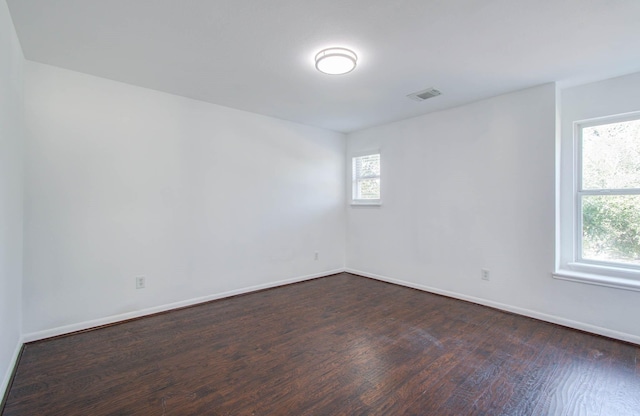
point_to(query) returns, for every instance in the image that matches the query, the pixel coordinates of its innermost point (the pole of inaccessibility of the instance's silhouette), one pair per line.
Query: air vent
(424, 94)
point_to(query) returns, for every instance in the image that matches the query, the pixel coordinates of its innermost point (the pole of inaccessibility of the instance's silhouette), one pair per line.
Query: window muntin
(366, 179)
(608, 192)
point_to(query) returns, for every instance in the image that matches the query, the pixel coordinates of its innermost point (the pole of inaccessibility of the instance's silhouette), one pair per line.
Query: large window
(366, 179)
(604, 247)
(608, 195)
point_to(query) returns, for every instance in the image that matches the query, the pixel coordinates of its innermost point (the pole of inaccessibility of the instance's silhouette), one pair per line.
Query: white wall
(474, 187)
(11, 179)
(203, 200)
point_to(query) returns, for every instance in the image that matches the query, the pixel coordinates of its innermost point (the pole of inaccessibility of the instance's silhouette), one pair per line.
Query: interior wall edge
(114, 319)
(558, 320)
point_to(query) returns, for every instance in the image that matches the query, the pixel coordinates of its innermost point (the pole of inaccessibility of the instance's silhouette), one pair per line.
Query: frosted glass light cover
(336, 61)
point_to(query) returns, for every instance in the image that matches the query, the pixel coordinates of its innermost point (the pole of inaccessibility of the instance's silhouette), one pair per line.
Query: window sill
(375, 203)
(625, 283)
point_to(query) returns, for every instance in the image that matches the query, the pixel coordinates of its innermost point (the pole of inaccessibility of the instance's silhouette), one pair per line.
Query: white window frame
(354, 179)
(569, 264)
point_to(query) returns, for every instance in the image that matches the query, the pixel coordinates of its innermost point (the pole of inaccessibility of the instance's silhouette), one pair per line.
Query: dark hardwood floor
(340, 345)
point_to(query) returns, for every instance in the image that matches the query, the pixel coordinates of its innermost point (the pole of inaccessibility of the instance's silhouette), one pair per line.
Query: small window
(366, 179)
(608, 192)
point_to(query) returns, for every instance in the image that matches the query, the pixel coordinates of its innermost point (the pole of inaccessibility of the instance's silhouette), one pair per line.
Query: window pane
(611, 228)
(368, 166)
(368, 189)
(611, 156)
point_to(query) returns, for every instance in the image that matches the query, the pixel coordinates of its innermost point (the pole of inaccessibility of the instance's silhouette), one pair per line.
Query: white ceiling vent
(424, 94)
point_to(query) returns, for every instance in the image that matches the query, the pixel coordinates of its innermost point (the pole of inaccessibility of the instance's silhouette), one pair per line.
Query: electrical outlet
(140, 282)
(316, 256)
(485, 274)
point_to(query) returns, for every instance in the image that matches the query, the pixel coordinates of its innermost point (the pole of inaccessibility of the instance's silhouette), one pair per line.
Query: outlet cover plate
(141, 282)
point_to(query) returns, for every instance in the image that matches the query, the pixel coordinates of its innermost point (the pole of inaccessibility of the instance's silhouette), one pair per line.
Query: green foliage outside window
(611, 161)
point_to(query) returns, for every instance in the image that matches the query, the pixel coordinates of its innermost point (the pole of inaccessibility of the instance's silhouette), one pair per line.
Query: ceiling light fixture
(336, 61)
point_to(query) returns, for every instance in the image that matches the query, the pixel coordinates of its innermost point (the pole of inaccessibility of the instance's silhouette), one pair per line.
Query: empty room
(243, 207)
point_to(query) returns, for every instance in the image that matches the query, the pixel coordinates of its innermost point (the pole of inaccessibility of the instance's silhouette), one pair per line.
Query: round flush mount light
(336, 61)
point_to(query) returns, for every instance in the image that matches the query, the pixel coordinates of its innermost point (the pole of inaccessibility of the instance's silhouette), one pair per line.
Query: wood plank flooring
(340, 345)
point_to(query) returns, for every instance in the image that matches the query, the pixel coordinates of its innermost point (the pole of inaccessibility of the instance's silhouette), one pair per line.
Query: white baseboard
(12, 365)
(509, 308)
(67, 329)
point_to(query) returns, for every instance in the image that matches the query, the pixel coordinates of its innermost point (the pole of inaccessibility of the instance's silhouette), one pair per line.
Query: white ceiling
(257, 55)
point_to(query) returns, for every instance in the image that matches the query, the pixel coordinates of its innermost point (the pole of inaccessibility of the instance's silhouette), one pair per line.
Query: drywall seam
(67, 329)
(623, 336)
